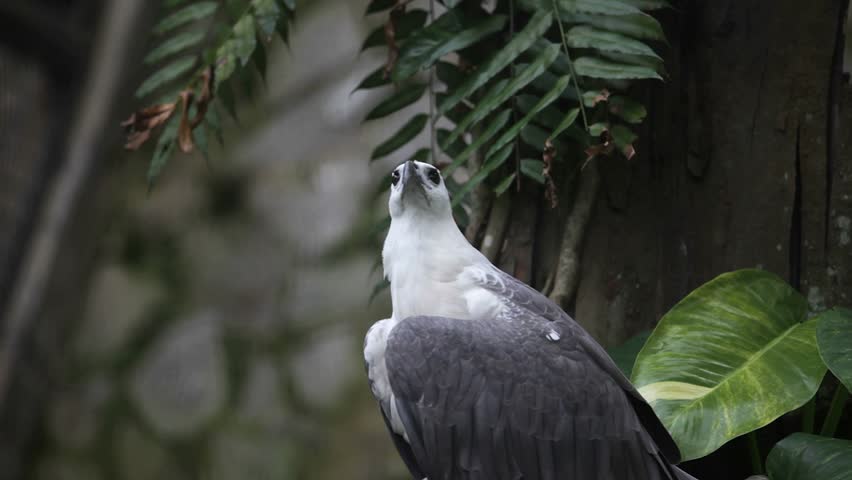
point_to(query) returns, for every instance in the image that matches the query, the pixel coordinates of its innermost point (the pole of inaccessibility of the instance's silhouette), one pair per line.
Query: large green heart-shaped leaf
(731, 357)
(834, 336)
(810, 457)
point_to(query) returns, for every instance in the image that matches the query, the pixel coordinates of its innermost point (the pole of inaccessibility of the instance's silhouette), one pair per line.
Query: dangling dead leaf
(206, 96)
(137, 139)
(605, 147)
(185, 129)
(628, 151)
(390, 37)
(550, 188)
(141, 123)
(594, 97)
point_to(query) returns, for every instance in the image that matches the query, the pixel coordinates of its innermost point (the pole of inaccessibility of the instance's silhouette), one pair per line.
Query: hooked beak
(411, 181)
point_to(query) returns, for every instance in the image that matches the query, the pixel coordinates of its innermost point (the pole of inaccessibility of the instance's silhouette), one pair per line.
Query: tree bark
(745, 161)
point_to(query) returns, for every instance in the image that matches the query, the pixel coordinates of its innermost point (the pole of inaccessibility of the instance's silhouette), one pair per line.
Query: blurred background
(211, 327)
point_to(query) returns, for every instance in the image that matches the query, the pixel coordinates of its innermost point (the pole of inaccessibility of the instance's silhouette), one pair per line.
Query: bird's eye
(434, 176)
(394, 177)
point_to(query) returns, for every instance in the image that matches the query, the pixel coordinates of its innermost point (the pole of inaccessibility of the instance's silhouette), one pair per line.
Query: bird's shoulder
(423, 351)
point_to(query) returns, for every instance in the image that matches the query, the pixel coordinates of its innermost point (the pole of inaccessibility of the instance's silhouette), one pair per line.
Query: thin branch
(514, 99)
(567, 269)
(433, 121)
(495, 231)
(571, 65)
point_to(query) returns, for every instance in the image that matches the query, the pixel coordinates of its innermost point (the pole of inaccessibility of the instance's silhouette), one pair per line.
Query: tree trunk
(744, 162)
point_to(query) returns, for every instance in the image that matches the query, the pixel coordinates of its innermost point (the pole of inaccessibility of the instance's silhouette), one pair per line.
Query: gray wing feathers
(493, 400)
(528, 299)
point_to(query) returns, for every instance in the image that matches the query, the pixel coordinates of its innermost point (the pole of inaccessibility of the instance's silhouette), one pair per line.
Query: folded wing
(492, 400)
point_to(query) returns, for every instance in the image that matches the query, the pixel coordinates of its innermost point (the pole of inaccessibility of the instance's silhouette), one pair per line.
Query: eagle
(481, 377)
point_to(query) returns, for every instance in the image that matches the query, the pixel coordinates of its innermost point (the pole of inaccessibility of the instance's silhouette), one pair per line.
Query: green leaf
(834, 337)
(452, 149)
(199, 135)
(588, 37)
(266, 13)
(566, 122)
(404, 135)
(622, 136)
(654, 63)
(421, 155)
(449, 33)
(597, 129)
(546, 100)
(378, 288)
(599, 7)
(499, 122)
(173, 45)
(404, 97)
(533, 169)
(640, 25)
(548, 117)
(283, 29)
(226, 64)
(731, 357)
(244, 40)
(374, 80)
(534, 136)
(625, 354)
(165, 75)
(491, 164)
(379, 5)
(410, 21)
(259, 60)
(535, 28)
(226, 95)
(288, 4)
(504, 184)
(450, 74)
(501, 93)
(628, 109)
(598, 68)
(649, 4)
(163, 151)
(810, 457)
(213, 122)
(191, 13)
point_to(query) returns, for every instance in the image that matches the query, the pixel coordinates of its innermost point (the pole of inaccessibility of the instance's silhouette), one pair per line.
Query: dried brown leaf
(206, 96)
(628, 151)
(390, 37)
(136, 139)
(141, 123)
(185, 129)
(597, 150)
(548, 156)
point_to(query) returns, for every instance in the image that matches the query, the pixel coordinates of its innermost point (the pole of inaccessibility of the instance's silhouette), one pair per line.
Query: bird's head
(418, 189)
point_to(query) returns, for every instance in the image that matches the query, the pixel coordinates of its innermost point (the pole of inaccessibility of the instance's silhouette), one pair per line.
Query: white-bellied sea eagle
(480, 377)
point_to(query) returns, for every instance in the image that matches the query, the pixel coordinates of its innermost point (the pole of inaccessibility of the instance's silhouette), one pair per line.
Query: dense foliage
(736, 354)
(204, 51)
(515, 88)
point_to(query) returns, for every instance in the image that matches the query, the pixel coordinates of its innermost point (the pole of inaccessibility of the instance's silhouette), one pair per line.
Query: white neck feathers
(425, 259)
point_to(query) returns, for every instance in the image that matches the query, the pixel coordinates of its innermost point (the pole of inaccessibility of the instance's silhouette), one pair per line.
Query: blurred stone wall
(222, 329)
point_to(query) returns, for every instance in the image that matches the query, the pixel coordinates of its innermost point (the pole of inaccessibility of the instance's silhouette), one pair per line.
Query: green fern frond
(203, 50)
(526, 96)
